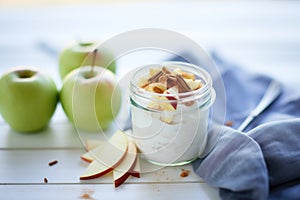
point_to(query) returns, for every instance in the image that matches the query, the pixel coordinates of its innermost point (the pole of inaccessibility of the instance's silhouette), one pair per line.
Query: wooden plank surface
(30, 166)
(106, 191)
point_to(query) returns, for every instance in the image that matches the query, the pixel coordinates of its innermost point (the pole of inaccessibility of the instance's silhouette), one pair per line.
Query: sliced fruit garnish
(194, 84)
(136, 172)
(106, 157)
(156, 88)
(126, 167)
(173, 91)
(91, 144)
(166, 119)
(162, 103)
(154, 70)
(184, 74)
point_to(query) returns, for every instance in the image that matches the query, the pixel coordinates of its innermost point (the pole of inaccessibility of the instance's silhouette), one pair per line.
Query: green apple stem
(93, 62)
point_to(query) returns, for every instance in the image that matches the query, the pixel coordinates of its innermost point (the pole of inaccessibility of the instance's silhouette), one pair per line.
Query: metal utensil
(271, 94)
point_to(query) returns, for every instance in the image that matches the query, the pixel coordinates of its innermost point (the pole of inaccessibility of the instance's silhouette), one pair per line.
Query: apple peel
(136, 172)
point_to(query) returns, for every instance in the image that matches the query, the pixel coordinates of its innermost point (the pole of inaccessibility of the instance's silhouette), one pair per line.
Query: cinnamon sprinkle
(171, 81)
(54, 162)
(45, 180)
(229, 123)
(155, 77)
(185, 173)
(182, 85)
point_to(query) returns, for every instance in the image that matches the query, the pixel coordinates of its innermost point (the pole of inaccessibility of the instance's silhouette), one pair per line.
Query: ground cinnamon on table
(185, 173)
(45, 180)
(229, 123)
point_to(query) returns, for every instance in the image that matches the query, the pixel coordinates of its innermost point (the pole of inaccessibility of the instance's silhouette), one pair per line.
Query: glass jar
(171, 137)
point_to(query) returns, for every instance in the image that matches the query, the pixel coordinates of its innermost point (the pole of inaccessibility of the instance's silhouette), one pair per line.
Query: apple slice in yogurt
(173, 91)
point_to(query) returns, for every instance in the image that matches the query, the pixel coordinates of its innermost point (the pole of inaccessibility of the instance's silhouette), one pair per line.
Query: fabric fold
(235, 165)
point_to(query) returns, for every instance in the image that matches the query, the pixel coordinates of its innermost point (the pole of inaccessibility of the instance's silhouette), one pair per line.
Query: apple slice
(125, 168)
(136, 172)
(106, 157)
(87, 157)
(156, 88)
(112, 142)
(91, 144)
(167, 119)
(194, 84)
(172, 91)
(153, 70)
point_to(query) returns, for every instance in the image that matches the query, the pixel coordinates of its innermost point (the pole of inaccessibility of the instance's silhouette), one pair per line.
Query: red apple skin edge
(174, 104)
(97, 175)
(105, 171)
(134, 173)
(122, 179)
(86, 160)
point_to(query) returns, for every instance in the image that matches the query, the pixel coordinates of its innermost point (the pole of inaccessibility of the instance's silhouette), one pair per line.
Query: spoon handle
(271, 94)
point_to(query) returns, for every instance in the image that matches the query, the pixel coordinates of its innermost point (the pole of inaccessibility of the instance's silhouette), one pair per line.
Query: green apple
(80, 54)
(91, 98)
(28, 98)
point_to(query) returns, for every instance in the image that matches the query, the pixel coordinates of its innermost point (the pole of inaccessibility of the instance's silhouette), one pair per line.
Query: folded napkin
(264, 162)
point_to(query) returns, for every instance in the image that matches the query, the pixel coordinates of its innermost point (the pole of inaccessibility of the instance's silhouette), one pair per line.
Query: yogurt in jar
(169, 108)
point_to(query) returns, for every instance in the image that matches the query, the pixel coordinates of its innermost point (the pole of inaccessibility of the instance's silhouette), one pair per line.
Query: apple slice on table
(117, 141)
(106, 157)
(91, 144)
(136, 172)
(124, 170)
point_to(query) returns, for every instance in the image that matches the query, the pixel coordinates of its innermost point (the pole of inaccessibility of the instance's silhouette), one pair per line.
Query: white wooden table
(262, 36)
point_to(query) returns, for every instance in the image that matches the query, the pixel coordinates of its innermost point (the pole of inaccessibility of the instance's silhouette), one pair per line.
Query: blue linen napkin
(263, 163)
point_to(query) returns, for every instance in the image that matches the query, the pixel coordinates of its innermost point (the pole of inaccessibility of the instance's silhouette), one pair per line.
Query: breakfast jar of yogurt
(169, 105)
